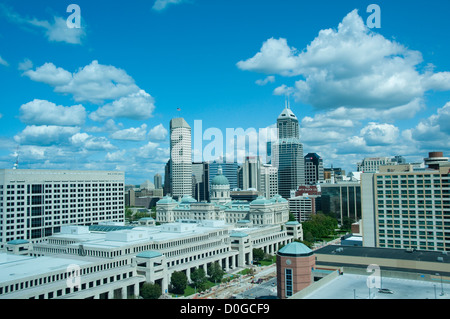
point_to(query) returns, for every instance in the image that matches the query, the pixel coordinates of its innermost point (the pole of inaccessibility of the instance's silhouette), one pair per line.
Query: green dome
(188, 199)
(166, 200)
(220, 179)
(260, 200)
(295, 249)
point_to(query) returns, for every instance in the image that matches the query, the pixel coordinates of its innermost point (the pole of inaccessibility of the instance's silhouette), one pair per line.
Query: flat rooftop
(353, 286)
(417, 261)
(390, 253)
(14, 267)
(106, 239)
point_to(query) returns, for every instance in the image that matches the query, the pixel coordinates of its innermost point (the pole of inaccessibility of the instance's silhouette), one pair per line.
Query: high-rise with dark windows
(313, 168)
(287, 153)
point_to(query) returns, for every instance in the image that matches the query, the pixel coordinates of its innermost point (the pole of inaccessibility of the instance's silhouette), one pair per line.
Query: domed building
(260, 212)
(220, 189)
(147, 185)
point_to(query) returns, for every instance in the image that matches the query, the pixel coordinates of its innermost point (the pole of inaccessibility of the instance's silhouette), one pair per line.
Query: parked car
(385, 291)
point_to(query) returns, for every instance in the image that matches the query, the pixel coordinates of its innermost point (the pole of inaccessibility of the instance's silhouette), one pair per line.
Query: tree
(258, 254)
(198, 278)
(347, 223)
(150, 291)
(178, 280)
(128, 214)
(320, 226)
(292, 217)
(215, 272)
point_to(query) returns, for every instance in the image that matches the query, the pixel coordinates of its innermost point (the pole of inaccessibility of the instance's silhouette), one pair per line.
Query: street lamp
(442, 286)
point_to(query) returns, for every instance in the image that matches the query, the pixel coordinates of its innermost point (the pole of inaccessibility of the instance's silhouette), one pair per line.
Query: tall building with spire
(287, 153)
(180, 158)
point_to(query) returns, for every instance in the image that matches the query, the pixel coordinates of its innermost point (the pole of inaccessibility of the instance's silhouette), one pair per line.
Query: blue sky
(101, 96)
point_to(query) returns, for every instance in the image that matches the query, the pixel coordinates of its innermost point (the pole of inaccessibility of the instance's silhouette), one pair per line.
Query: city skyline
(101, 96)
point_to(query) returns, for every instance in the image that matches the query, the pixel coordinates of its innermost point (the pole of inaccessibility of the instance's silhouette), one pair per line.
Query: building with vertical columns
(251, 174)
(114, 261)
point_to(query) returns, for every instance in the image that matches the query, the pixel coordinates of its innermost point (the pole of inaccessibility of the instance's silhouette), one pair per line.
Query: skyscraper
(407, 208)
(313, 168)
(167, 189)
(288, 151)
(200, 188)
(251, 173)
(157, 180)
(269, 180)
(180, 158)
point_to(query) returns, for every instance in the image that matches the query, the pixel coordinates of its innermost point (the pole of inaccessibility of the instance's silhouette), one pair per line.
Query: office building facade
(35, 203)
(372, 164)
(269, 180)
(295, 263)
(313, 169)
(342, 199)
(251, 173)
(288, 153)
(407, 208)
(180, 158)
(200, 181)
(157, 181)
(303, 206)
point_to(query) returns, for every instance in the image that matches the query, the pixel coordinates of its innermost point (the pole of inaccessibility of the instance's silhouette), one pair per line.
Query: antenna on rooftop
(286, 101)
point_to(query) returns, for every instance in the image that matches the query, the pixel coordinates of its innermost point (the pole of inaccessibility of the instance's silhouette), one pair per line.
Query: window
(288, 280)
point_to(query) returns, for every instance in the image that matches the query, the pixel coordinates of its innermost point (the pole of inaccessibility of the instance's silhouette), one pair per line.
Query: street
(243, 288)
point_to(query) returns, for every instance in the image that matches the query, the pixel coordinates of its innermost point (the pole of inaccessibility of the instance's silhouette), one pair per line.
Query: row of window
(67, 276)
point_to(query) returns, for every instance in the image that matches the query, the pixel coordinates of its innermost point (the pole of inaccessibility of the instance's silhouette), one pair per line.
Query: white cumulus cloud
(376, 134)
(136, 106)
(91, 143)
(158, 133)
(44, 112)
(351, 66)
(45, 134)
(94, 82)
(131, 134)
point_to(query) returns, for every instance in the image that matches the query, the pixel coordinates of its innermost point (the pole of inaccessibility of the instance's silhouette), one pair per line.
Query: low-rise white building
(110, 261)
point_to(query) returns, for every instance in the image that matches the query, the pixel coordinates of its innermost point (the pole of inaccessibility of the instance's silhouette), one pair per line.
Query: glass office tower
(288, 151)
